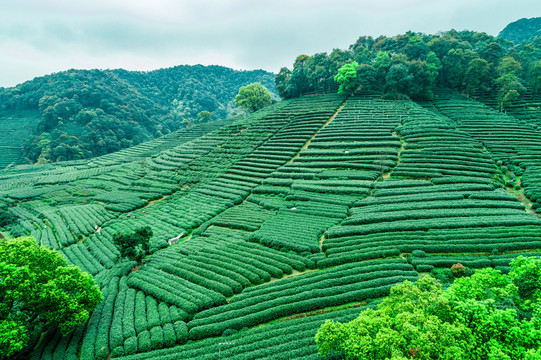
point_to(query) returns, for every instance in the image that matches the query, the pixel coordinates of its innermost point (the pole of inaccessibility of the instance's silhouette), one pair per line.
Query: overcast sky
(38, 37)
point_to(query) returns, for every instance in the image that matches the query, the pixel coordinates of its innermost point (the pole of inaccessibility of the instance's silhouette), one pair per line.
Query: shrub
(424, 268)
(156, 337)
(418, 253)
(144, 341)
(130, 346)
(458, 270)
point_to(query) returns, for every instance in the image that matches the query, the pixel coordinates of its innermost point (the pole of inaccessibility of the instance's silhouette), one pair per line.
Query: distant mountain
(521, 30)
(85, 113)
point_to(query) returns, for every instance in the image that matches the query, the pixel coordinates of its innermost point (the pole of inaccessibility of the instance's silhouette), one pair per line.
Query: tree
(298, 82)
(135, 245)
(318, 69)
(535, 77)
(204, 116)
(477, 76)
(338, 58)
(253, 97)
(455, 64)
(397, 81)
(420, 88)
(404, 326)
(382, 63)
(347, 78)
(526, 275)
(38, 289)
(367, 77)
(282, 83)
(6, 217)
(511, 89)
(509, 66)
(433, 64)
(492, 52)
(476, 318)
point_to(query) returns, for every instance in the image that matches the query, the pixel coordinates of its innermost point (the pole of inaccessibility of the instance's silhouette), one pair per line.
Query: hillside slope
(522, 30)
(295, 214)
(86, 113)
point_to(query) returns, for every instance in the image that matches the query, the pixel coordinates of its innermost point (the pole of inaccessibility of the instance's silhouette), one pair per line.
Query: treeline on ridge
(87, 113)
(413, 64)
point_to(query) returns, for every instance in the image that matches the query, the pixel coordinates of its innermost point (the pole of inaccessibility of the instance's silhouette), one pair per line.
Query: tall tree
(367, 77)
(455, 64)
(535, 78)
(433, 64)
(420, 88)
(38, 289)
(347, 78)
(282, 83)
(382, 63)
(253, 97)
(477, 76)
(397, 81)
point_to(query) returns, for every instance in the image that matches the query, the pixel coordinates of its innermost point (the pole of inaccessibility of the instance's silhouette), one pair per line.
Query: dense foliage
(412, 65)
(347, 78)
(87, 113)
(521, 30)
(36, 289)
(6, 217)
(135, 245)
(485, 316)
(253, 97)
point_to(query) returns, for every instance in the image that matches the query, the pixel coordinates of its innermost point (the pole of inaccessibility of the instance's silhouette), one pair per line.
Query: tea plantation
(267, 225)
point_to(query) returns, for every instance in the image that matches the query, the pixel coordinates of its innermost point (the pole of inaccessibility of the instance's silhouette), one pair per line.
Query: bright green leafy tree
(404, 326)
(253, 97)
(347, 78)
(526, 275)
(483, 317)
(135, 245)
(38, 289)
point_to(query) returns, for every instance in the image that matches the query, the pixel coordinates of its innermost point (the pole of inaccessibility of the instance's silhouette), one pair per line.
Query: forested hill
(413, 65)
(85, 113)
(521, 30)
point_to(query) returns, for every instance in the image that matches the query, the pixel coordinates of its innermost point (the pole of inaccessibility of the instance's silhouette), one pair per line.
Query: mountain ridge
(87, 113)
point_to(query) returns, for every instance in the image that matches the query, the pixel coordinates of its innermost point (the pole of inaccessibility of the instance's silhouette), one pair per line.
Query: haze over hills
(394, 159)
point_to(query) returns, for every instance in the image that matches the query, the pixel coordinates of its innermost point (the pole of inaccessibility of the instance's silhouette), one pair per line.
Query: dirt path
(305, 146)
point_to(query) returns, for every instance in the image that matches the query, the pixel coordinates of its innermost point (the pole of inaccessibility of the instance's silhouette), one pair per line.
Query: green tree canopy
(253, 97)
(535, 77)
(204, 116)
(412, 65)
(6, 217)
(483, 317)
(526, 275)
(37, 289)
(477, 76)
(347, 78)
(135, 245)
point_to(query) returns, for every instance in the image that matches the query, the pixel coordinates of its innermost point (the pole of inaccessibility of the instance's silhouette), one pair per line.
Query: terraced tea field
(15, 127)
(304, 211)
